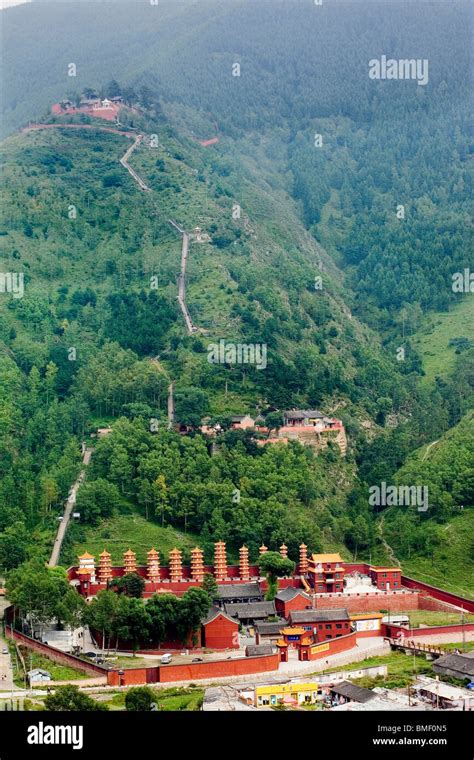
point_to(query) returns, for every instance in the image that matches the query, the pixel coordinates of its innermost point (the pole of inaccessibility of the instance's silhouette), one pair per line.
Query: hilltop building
(308, 426)
(107, 109)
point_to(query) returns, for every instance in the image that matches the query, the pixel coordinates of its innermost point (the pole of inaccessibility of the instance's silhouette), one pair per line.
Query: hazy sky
(8, 3)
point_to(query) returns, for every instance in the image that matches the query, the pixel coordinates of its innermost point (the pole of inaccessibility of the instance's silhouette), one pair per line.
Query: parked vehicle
(165, 659)
(197, 659)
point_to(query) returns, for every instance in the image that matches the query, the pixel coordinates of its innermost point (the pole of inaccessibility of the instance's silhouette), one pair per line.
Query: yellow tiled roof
(292, 631)
(326, 558)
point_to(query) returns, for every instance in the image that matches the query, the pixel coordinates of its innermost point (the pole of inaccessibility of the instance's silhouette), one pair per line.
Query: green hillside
(439, 339)
(123, 532)
(306, 252)
(438, 545)
(452, 564)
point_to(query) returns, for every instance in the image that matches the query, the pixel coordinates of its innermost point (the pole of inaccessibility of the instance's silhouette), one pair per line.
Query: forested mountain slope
(438, 544)
(100, 259)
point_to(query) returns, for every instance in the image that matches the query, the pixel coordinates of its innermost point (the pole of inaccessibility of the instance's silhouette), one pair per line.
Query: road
(71, 500)
(6, 672)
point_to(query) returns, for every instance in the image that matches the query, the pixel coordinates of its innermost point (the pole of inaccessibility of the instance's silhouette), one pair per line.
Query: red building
(326, 573)
(322, 624)
(220, 631)
(386, 578)
(290, 599)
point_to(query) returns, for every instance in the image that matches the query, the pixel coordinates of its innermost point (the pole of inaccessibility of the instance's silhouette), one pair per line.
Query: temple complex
(319, 580)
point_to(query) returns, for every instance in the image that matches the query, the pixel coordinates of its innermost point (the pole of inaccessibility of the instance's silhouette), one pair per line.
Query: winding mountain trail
(132, 172)
(182, 278)
(428, 449)
(191, 328)
(124, 160)
(390, 553)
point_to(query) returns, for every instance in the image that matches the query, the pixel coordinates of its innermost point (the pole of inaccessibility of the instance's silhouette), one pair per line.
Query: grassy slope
(456, 573)
(123, 532)
(432, 339)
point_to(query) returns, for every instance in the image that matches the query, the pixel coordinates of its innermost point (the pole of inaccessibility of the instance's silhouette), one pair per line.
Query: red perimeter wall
(392, 631)
(437, 593)
(55, 654)
(336, 645)
(195, 671)
(161, 674)
(396, 601)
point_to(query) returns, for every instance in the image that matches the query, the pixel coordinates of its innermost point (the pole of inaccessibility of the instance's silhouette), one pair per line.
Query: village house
(442, 695)
(242, 422)
(346, 691)
(460, 666)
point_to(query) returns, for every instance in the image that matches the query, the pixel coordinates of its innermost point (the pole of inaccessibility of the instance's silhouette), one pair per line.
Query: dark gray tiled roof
(300, 414)
(213, 613)
(461, 663)
(239, 591)
(289, 593)
(252, 610)
(319, 616)
(353, 692)
(270, 628)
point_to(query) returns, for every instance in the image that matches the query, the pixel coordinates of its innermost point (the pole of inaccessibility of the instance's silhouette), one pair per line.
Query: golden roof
(326, 558)
(86, 555)
(129, 553)
(292, 631)
(366, 616)
(153, 552)
(83, 571)
(105, 553)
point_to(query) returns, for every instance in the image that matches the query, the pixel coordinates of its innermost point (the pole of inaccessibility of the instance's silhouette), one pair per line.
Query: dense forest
(363, 186)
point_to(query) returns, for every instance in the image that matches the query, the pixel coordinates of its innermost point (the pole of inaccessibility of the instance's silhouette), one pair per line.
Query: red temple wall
(435, 605)
(392, 631)
(437, 593)
(195, 671)
(335, 646)
(396, 601)
(63, 658)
